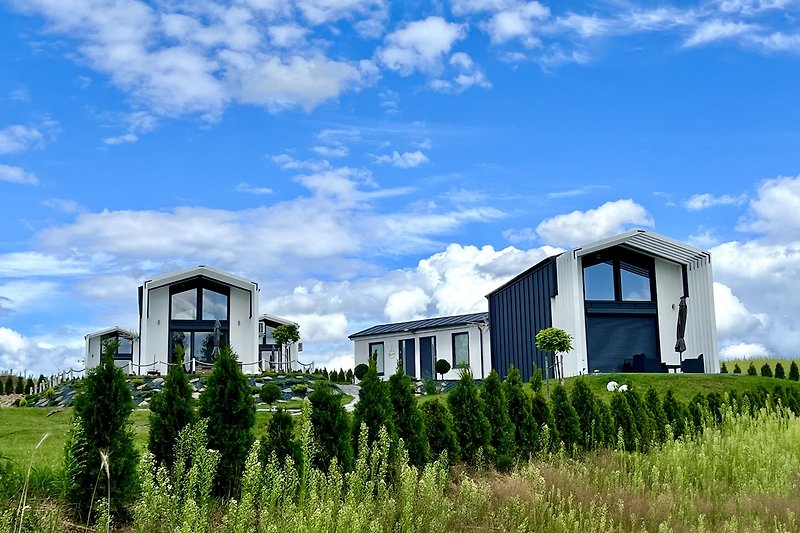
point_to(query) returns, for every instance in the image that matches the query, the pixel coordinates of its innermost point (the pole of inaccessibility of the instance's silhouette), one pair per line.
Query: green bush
(408, 419)
(723, 369)
(137, 381)
(439, 428)
(279, 439)
(624, 422)
(29, 386)
(101, 425)
(543, 416)
(361, 371)
(779, 372)
(737, 369)
(565, 418)
(643, 418)
(766, 370)
(751, 370)
(469, 419)
(170, 412)
(697, 408)
(374, 408)
(442, 367)
(429, 387)
(19, 388)
(656, 409)
(8, 388)
(591, 426)
(331, 429)
(300, 388)
(230, 409)
(536, 380)
(794, 373)
(270, 393)
(50, 393)
(526, 430)
(502, 443)
(22, 402)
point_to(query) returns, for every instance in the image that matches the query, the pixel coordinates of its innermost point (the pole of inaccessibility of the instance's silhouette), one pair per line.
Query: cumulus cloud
(698, 202)
(775, 211)
(409, 304)
(251, 189)
(734, 320)
(717, 30)
(18, 138)
(404, 160)
(20, 353)
(744, 350)
(464, 73)
(420, 45)
(580, 227)
(17, 175)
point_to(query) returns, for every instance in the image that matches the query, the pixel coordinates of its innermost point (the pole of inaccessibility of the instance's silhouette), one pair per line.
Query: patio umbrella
(680, 343)
(217, 327)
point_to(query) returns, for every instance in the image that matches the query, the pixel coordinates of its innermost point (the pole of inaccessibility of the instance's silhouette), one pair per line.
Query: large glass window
(376, 352)
(460, 349)
(215, 305)
(182, 339)
(184, 305)
(635, 283)
(124, 348)
(598, 281)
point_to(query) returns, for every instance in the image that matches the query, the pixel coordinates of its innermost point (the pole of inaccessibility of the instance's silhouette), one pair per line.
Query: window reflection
(598, 281)
(376, 350)
(215, 305)
(635, 283)
(184, 305)
(460, 349)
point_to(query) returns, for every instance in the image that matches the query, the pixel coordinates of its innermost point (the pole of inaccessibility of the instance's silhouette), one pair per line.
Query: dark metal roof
(425, 324)
(541, 264)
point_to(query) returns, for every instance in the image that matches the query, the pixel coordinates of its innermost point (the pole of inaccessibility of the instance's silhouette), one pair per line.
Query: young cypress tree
(565, 418)
(502, 443)
(536, 380)
(348, 377)
(101, 425)
(279, 439)
(374, 408)
(543, 416)
(624, 421)
(439, 427)
(29, 386)
(657, 411)
(469, 418)
(737, 369)
(723, 369)
(331, 426)
(606, 418)
(19, 388)
(526, 430)
(675, 413)
(698, 411)
(585, 404)
(408, 419)
(642, 418)
(228, 404)
(794, 373)
(779, 372)
(766, 370)
(751, 370)
(714, 404)
(170, 411)
(9, 386)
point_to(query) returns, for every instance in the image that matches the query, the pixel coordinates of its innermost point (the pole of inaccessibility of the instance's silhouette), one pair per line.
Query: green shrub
(794, 373)
(29, 386)
(137, 381)
(585, 404)
(374, 408)
(331, 430)
(8, 388)
(766, 370)
(408, 419)
(714, 405)
(526, 430)
(50, 393)
(543, 416)
(565, 418)
(536, 380)
(230, 409)
(723, 369)
(442, 367)
(779, 372)
(300, 388)
(361, 371)
(270, 393)
(645, 424)
(737, 369)
(19, 388)
(429, 387)
(101, 425)
(22, 402)
(439, 429)
(624, 422)
(751, 370)
(170, 412)
(502, 445)
(349, 377)
(697, 409)
(469, 419)
(279, 439)
(659, 416)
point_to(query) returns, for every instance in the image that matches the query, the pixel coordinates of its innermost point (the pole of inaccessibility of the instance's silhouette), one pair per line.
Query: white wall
(669, 289)
(93, 350)
(154, 341)
(244, 329)
(701, 321)
(568, 312)
(444, 350)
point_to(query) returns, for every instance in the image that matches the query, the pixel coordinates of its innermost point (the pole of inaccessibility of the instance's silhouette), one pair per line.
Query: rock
(296, 399)
(196, 395)
(194, 380)
(43, 402)
(287, 390)
(158, 382)
(267, 378)
(144, 405)
(143, 386)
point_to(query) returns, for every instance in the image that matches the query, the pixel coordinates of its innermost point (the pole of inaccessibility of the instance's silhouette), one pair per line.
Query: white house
(418, 344)
(128, 346)
(273, 356)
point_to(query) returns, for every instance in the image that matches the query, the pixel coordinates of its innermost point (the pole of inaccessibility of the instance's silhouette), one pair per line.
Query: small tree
(502, 443)
(9, 385)
(697, 409)
(536, 379)
(101, 437)
(228, 404)
(558, 342)
(29, 386)
(585, 404)
(19, 388)
(723, 369)
(657, 411)
(779, 372)
(408, 419)
(766, 370)
(642, 417)
(361, 371)
(279, 439)
(737, 369)
(543, 416)
(331, 428)
(566, 419)
(374, 408)
(625, 422)
(675, 413)
(714, 404)
(286, 335)
(270, 393)
(794, 373)
(469, 418)
(439, 427)
(170, 411)
(751, 370)
(348, 377)
(442, 367)
(526, 430)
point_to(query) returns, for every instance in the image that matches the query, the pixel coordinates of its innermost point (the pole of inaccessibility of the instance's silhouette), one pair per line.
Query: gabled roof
(650, 243)
(276, 319)
(541, 264)
(424, 324)
(112, 329)
(201, 271)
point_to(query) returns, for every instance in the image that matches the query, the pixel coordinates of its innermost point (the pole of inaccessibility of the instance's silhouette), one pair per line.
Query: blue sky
(369, 162)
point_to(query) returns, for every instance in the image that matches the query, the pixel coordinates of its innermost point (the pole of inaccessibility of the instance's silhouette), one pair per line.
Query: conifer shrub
(751, 370)
(170, 411)
(29, 386)
(439, 429)
(8, 387)
(409, 421)
(779, 371)
(794, 372)
(348, 377)
(656, 409)
(543, 417)
(778, 396)
(374, 408)
(698, 409)
(645, 424)
(606, 418)
(442, 367)
(526, 429)
(270, 393)
(19, 387)
(766, 370)
(22, 402)
(469, 419)
(331, 429)
(723, 369)
(565, 418)
(501, 441)
(360, 371)
(625, 423)
(279, 439)
(536, 380)
(737, 369)
(585, 404)
(228, 404)
(714, 405)
(101, 427)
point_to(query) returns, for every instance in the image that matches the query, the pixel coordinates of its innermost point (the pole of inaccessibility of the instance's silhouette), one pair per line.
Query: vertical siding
(701, 329)
(516, 313)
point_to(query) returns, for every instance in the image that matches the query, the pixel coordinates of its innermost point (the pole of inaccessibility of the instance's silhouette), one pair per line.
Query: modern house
(418, 344)
(199, 309)
(619, 298)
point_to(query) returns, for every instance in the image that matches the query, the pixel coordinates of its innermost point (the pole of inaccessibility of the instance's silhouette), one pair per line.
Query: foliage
(270, 393)
(751, 370)
(590, 422)
(9, 385)
(228, 404)
(430, 387)
(766, 370)
(331, 430)
(19, 388)
(101, 427)
(536, 379)
(566, 420)
(299, 388)
(286, 334)
(502, 444)
(660, 419)
(348, 377)
(22, 402)
(374, 408)
(543, 417)
(779, 371)
(737, 369)
(469, 419)
(29, 386)
(170, 411)
(627, 431)
(554, 340)
(697, 409)
(643, 418)
(723, 369)
(442, 367)
(279, 439)
(794, 374)
(408, 419)
(439, 428)
(361, 371)
(526, 430)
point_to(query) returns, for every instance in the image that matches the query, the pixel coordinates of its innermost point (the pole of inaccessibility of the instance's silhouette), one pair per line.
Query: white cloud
(580, 227)
(420, 45)
(776, 209)
(250, 189)
(734, 320)
(404, 160)
(717, 30)
(23, 354)
(24, 295)
(408, 304)
(516, 22)
(522, 235)
(18, 138)
(698, 202)
(321, 328)
(744, 350)
(332, 151)
(33, 264)
(121, 139)
(63, 204)
(17, 175)
(465, 73)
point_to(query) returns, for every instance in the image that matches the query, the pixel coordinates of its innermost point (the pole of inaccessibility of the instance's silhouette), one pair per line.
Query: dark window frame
(124, 356)
(198, 325)
(615, 256)
(383, 350)
(453, 343)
